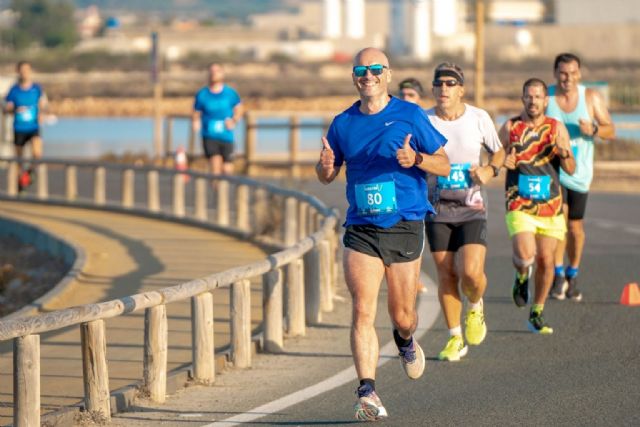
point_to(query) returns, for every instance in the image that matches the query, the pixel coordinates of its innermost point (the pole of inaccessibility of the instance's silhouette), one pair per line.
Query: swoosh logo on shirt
(389, 123)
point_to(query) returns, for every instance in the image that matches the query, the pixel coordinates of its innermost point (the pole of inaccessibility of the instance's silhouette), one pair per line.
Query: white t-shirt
(457, 198)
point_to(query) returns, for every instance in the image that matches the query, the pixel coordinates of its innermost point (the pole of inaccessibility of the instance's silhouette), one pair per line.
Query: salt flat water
(91, 137)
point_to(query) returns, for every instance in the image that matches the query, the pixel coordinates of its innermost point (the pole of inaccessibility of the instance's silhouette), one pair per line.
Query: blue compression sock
(559, 270)
(572, 272)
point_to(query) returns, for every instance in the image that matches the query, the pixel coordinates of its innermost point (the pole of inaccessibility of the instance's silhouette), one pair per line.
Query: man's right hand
(327, 158)
(510, 160)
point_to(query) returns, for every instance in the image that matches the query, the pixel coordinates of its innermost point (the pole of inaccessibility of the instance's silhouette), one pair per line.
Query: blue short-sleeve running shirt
(214, 109)
(26, 107)
(380, 191)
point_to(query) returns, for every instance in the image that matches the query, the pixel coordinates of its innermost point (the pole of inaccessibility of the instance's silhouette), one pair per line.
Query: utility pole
(479, 89)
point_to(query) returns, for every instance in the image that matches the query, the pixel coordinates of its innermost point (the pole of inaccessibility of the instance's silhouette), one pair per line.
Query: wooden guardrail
(298, 226)
(290, 121)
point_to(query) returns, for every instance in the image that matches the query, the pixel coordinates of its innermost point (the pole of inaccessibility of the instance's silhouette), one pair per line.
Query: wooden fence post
(201, 211)
(94, 368)
(312, 281)
(153, 191)
(155, 352)
(241, 323)
(272, 309)
(251, 142)
(99, 185)
(71, 183)
(42, 181)
(290, 225)
(12, 179)
(326, 290)
(303, 208)
(128, 188)
(178, 195)
(222, 206)
(295, 299)
(242, 207)
(26, 381)
(202, 338)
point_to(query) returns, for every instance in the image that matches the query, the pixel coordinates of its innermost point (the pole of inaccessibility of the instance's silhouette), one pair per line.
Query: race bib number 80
(376, 198)
(535, 187)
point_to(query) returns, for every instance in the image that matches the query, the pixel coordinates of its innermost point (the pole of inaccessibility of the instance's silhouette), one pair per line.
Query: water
(80, 137)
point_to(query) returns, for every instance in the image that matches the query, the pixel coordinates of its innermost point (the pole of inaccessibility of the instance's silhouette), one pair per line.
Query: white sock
(455, 331)
(475, 305)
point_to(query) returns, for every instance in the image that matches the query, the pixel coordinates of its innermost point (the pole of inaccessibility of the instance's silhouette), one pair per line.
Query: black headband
(446, 72)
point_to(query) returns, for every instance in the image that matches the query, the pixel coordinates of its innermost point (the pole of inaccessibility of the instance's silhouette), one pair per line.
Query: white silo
(398, 33)
(354, 19)
(332, 19)
(445, 17)
(421, 43)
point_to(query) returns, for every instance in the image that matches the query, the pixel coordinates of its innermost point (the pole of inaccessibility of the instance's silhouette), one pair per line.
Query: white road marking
(428, 310)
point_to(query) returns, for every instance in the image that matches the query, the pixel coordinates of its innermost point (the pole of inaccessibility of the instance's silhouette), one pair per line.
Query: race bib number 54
(535, 187)
(376, 198)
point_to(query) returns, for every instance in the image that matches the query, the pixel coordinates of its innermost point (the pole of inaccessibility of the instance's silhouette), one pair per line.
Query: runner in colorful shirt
(387, 145)
(460, 223)
(537, 147)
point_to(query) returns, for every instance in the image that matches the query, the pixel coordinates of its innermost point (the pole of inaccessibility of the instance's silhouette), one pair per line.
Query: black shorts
(214, 147)
(403, 242)
(21, 138)
(576, 201)
(449, 237)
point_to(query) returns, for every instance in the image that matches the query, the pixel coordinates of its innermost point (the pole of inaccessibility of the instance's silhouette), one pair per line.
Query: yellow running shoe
(475, 329)
(454, 350)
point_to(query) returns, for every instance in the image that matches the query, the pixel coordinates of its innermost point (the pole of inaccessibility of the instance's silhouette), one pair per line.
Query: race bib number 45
(535, 187)
(458, 179)
(376, 198)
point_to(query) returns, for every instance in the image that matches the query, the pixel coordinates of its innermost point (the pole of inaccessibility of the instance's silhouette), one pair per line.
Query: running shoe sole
(462, 353)
(547, 331)
(561, 295)
(366, 411)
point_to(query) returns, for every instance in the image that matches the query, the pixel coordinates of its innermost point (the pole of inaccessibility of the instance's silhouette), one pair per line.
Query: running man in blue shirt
(26, 100)
(216, 112)
(387, 145)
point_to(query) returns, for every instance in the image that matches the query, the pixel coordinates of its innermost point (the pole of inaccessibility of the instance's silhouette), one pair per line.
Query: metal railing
(298, 226)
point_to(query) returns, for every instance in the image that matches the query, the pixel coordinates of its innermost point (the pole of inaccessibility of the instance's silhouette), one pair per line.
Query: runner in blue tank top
(26, 100)
(387, 145)
(217, 109)
(584, 113)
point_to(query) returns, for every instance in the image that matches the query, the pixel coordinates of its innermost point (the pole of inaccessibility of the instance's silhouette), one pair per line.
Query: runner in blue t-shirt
(26, 100)
(387, 145)
(216, 112)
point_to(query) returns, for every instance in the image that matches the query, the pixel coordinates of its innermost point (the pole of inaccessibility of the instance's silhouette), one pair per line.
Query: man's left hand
(406, 155)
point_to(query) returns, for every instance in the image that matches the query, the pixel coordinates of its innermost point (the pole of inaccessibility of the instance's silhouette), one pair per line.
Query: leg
(36, 147)
(562, 244)
(363, 274)
(227, 168)
(474, 280)
(402, 286)
(524, 251)
(448, 293)
(575, 243)
(215, 164)
(544, 267)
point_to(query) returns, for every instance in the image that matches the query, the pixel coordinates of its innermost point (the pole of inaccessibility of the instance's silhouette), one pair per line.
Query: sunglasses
(375, 69)
(449, 83)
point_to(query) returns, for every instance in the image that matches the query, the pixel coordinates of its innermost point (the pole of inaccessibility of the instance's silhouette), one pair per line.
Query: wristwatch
(418, 159)
(595, 128)
(496, 170)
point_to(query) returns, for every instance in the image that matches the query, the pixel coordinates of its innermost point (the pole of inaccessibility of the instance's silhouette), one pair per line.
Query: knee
(363, 315)
(404, 319)
(447, 276)
(576, 228)
(472, 275)
(545, 260)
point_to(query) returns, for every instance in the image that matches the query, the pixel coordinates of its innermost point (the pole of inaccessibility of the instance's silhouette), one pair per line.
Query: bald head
(370, 55)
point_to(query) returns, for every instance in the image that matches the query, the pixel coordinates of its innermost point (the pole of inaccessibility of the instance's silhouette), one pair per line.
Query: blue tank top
(581, 145)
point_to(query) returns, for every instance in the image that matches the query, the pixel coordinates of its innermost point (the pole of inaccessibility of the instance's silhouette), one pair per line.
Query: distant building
(569, 12)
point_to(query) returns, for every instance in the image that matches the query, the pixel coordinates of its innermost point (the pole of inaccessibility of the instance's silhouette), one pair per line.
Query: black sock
(401, 342)
(368, 382)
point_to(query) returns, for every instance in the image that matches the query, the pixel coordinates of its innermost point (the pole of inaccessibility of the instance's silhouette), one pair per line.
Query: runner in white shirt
(460, 223)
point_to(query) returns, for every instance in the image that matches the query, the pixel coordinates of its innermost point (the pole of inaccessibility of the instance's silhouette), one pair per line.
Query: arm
(238, 112)
(326, 169)
(510, 159)
(43, 107)
(563, 149)
(483, 174)
(195, 121)
(603, 127)
(436, 163)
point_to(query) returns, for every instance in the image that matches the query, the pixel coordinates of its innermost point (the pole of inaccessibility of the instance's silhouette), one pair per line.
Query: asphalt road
(586, 373)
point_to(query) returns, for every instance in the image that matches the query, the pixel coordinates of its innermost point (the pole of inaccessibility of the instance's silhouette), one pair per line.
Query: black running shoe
(559, 287)
(573, 293)
(537, 325)
(520, 292)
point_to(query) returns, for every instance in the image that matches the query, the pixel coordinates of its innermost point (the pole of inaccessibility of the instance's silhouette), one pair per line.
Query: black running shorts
(214, 147)
(21, 138)
(576, 201)
(449, 237)
(402, 242)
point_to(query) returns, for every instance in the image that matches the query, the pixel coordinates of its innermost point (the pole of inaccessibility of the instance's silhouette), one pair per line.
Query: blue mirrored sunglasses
(375, 69)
